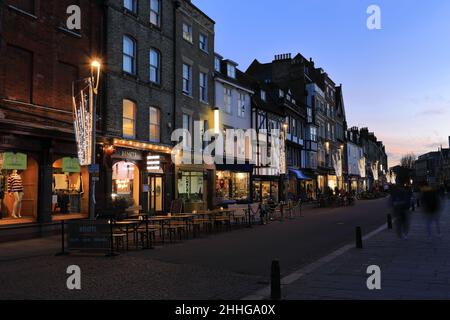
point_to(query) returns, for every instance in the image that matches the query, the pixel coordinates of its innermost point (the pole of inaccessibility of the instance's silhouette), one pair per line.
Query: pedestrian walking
(401, 203)
(431, 203)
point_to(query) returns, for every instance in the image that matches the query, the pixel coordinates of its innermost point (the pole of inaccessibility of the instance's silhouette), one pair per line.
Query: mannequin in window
(15, 188)
(2, 191)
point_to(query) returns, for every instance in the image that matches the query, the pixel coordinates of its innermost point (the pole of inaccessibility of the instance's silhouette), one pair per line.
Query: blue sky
(396, 80)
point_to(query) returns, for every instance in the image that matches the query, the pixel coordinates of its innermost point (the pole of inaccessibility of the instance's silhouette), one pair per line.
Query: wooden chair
(175, 228)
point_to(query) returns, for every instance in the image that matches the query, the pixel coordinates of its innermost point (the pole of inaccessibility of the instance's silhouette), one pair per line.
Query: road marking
(264, 293)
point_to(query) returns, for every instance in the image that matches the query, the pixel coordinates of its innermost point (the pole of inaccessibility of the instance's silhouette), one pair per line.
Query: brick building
(139, 81)
(39, 59)
(194, 99)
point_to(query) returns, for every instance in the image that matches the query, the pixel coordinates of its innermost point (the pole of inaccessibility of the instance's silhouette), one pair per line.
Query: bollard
(63, 241)
(389, 221)
(359, 244)
(275, 281)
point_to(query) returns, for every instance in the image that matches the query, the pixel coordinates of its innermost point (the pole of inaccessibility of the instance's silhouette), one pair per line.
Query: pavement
(416, 268)
(228, 265)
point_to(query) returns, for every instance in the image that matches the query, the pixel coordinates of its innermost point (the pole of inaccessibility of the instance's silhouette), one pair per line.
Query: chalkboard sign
(88, 235)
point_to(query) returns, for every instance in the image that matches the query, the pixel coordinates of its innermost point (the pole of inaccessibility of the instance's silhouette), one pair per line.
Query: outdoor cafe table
(133, 223)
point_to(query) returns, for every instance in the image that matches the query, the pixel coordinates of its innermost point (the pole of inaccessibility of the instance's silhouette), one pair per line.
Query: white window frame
(241, 105)
(187, 32)
(203, 86)
(203, 45)
(156, 124)
(227, 99)
(133, 120)
(126, 55)
(156, 67)
(231, 71)
(133, 5)
(156, 13)
(263, 95)
(187, 81)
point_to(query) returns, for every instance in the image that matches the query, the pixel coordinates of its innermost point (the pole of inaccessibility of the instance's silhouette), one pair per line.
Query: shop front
(195, 186)
(70, 183)
(265, 188)
(19, 174)
(332, 182)
(233, 183)
(300, 185)
(126, 181)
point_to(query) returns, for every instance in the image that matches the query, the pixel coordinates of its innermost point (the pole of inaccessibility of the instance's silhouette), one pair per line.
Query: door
(155, 194)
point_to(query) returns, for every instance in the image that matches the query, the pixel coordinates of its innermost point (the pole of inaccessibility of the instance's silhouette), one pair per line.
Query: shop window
(18, 188)
(125, 184)
(190, 186)
(69, 185)
(232, 185)
(265, 190)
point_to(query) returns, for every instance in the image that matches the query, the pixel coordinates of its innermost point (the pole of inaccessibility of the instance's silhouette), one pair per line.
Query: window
(190, 186)
(155, 12)
(129, 111)
(155, 126)
(18, 69)
(203, 87)
(187, 32)
(187, 79)
(155, 66)
(129, 55)
(227, 99)
(203, 42)
(231, 71)
(241, 105)
(130, 5)
(263, 95)
(313, 132)
(187, 126)
(217, 64)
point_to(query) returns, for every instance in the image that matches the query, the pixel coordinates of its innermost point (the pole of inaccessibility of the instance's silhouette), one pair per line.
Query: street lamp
(94, 82)
(85, 120)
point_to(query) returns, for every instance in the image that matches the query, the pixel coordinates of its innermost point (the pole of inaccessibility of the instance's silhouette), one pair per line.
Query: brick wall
(39, 59)
(138, 88)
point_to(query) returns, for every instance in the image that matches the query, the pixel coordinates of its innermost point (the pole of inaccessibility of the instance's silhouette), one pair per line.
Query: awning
(299, 174)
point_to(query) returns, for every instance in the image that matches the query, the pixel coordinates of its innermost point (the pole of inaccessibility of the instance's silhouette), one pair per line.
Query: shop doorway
(126, 183)
(155, 194)
(70, 190)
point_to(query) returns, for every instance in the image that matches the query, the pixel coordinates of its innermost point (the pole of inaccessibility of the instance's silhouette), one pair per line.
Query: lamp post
(94, 81)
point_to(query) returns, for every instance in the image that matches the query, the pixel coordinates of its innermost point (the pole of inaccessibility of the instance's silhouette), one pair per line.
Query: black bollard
(359, 244)
(63, 241)
(275, 281)
(389, 221)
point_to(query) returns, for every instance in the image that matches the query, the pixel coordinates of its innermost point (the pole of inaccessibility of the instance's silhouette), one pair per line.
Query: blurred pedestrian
(401, 203)
(431, 203)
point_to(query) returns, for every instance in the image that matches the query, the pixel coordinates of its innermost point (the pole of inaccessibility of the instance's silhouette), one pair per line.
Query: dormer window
(263, 95)
(231, 71)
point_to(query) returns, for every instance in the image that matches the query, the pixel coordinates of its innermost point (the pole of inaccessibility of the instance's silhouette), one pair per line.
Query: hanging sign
(14, 161)
(71, 165)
